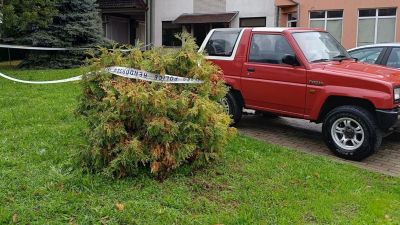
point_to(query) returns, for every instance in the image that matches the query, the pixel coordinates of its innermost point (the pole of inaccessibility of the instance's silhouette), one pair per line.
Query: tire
(232, 107)
(351, 132)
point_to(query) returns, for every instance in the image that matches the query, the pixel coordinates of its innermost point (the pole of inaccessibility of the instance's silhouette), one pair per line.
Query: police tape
(129, 73)
(147, 76)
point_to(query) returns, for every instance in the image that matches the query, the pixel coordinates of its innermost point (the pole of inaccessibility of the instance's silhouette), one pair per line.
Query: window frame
(326, 19)
(265, 63)
(257, 17)
(376, 18)
(223, 58)
(291, 21)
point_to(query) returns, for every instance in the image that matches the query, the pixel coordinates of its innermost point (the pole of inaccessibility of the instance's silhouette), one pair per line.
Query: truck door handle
(251, 70)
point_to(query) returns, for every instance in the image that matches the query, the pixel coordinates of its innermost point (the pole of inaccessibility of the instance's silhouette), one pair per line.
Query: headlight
(397, 94)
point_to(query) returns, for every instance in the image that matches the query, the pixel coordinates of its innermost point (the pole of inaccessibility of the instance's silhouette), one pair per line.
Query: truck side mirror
(290, 60)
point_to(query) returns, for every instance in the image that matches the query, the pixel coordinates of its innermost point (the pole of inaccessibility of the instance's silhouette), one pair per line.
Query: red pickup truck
(306, 73)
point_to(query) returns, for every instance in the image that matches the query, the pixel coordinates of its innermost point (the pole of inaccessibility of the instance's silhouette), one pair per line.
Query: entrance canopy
(206, 18)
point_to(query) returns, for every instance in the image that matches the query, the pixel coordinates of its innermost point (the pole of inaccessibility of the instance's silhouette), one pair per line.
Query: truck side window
(268, 48)
(222, 43)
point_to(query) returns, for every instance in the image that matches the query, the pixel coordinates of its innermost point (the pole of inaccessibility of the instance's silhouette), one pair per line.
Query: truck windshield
(320, 47)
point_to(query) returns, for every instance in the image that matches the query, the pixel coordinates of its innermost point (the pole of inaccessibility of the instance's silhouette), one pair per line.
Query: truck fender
(376, 99)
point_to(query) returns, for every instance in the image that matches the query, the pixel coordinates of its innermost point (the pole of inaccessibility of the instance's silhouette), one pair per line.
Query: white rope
(122, 72)
(62, 49)
(41, 82)
(40, 48)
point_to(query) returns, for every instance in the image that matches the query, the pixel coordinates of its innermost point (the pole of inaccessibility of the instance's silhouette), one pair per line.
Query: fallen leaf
(104, 220)
(15, 218)
(72, 221)
(120, 207)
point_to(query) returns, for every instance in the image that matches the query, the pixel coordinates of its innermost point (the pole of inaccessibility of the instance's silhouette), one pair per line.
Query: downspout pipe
(149, 23)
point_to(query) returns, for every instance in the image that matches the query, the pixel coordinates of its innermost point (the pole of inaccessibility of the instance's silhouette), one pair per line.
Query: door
(141, 32)
(118, 29)
(200, 32)
(269, 84)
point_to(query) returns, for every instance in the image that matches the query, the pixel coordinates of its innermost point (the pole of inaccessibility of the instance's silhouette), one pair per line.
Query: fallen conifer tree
(138, 126)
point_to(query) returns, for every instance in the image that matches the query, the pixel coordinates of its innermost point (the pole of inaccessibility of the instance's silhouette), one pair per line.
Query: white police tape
(147, 76)
(122, 72)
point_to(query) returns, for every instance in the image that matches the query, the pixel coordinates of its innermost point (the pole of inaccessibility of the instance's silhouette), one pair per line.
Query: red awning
(206, 18)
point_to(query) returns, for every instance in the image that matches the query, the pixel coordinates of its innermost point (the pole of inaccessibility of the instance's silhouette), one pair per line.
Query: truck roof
(272, 29)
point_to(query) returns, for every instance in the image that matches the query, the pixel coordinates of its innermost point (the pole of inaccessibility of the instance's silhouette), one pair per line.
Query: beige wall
(350, 14)
(209, 6)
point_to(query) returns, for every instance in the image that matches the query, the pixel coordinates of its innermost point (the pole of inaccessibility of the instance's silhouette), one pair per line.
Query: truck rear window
(222, 43)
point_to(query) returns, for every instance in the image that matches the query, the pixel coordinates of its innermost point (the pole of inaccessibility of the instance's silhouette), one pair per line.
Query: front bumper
(389, 119)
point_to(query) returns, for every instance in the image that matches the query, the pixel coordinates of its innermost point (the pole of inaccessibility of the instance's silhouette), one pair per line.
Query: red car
(306, 73)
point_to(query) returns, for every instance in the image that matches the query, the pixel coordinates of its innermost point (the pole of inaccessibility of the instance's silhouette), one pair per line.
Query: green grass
(254, 183)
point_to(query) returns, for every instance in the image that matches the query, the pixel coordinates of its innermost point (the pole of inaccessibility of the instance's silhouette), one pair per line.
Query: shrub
(138, 126)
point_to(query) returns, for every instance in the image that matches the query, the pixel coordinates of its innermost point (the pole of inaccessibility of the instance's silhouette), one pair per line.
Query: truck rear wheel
(232, 107)
(351, 132)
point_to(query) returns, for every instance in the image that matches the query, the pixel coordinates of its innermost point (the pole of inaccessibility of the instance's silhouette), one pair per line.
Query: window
(253, 22)
(320, 47)
(169, 30)
(222, 43)
(331, 21)
(292, 20)
(394, 58)
(269, 49)
(376, 26)
(367, 55)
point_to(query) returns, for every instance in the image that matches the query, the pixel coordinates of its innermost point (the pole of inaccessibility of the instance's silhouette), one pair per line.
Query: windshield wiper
(320, 60)
(340, 58)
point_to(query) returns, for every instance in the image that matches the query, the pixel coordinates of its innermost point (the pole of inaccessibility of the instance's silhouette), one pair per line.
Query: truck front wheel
(232, 107)
(351, 132)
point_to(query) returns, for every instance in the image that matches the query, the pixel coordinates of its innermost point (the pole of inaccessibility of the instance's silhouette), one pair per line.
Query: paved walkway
(307, 137)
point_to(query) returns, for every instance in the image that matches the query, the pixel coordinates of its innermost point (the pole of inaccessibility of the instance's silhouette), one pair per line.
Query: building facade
(352, 22)
(199, 16)
(125, 21)
(157, 21)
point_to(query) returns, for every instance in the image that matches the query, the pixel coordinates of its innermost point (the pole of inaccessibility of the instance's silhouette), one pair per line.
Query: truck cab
(305, 73)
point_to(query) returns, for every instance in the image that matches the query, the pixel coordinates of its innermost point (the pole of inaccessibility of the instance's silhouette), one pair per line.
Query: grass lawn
(254, 183)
